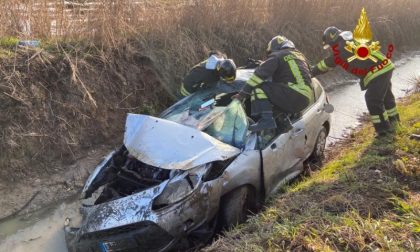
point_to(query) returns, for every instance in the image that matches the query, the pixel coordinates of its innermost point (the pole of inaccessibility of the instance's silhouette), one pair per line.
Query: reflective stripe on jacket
(284, 67)
(379, 69)
(366, 70)
(198, 77)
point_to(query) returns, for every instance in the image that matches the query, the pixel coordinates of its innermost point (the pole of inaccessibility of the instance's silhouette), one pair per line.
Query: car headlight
(179, 187)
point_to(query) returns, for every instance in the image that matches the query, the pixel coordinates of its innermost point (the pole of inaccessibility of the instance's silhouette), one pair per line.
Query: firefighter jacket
(202, 75)
(285, 67)
(366, 70)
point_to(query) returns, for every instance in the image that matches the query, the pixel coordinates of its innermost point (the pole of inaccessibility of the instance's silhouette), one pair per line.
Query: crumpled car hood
(169, 145)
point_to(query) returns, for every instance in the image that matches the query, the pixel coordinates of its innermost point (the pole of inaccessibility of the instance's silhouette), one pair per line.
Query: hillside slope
(58, 103)
(367, 198)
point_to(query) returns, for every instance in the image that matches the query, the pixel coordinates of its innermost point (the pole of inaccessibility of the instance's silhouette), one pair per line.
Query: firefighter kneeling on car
(376, 80)
(207, 73)
(290, 88)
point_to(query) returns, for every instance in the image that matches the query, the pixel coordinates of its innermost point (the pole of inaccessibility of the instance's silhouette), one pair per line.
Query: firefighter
(283, 79)
(375, 78)
(208, 72)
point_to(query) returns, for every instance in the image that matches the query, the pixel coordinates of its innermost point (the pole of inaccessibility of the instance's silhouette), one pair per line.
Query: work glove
(315, 71)
(241, 96)
(244, 93)
(252, 63)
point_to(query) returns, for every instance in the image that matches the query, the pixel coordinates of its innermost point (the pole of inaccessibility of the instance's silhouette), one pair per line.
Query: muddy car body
(179, 176)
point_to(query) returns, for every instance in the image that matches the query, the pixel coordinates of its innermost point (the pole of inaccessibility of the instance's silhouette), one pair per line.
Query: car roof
(244, 74)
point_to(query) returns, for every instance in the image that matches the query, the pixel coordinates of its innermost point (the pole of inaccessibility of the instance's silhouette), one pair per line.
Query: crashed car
(181, 176)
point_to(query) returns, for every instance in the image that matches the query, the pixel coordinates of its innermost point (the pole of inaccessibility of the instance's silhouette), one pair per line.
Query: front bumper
(130, 224)
(144, 236)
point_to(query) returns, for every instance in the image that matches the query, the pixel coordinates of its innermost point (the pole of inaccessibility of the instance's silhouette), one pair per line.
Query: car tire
(317, 156)
(236, 206)
(204, 234)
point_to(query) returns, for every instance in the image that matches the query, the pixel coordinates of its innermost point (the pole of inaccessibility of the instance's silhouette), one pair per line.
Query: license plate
(119, 245)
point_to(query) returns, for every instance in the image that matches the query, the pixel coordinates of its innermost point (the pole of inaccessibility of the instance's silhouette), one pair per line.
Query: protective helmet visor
(227, 70)
(228, 79)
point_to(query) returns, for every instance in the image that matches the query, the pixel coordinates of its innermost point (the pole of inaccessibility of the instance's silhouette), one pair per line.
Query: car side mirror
(328, 108)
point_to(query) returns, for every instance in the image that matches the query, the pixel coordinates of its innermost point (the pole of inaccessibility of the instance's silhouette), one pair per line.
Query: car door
(282, 158)
(313, 120)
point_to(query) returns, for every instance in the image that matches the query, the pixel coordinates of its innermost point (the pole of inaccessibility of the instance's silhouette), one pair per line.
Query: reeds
(239, 27)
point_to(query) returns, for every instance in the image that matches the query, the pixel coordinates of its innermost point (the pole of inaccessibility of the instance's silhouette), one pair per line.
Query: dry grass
(367, 198)
(99, 60)
(57, 105)
(175, 34)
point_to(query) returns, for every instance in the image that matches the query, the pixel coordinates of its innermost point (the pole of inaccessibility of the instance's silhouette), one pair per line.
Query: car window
(189, 106)
(213, 113)
(317, 88)
(230, 127)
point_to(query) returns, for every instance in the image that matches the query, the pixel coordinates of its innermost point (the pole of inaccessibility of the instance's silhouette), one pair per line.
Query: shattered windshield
(214, 113)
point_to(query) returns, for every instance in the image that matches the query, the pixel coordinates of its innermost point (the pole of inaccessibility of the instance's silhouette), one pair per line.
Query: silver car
(180, 177)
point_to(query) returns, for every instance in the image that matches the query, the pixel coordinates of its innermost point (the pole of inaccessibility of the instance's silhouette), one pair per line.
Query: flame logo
(362, 34)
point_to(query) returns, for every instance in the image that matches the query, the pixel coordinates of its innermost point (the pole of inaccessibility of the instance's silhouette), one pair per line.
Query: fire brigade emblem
(361, 46)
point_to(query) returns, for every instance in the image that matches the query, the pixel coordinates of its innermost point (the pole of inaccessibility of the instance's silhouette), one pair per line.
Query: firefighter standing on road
(207, 73)
(289, 89)
(376, 80)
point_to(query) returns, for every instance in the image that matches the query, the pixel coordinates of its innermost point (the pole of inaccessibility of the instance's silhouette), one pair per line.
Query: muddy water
(43, 230)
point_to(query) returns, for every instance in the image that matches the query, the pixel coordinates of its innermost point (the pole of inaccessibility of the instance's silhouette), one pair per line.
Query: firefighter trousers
(280, 95)
(380, 102)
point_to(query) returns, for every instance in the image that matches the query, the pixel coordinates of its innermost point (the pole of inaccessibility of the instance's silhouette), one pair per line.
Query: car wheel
(317, 155)
(204, 234)
(236, 205)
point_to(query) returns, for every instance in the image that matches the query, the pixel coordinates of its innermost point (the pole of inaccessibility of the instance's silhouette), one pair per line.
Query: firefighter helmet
(330, 37)
(278, 43)
(227, 70)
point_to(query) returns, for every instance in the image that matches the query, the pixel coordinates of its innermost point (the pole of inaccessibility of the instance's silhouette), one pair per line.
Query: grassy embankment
(367, 198)
(99, 61)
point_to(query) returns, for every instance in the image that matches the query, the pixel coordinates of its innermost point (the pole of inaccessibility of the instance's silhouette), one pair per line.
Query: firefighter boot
(266, 120)
(284, 122)
(394, 120)
(382, 128)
